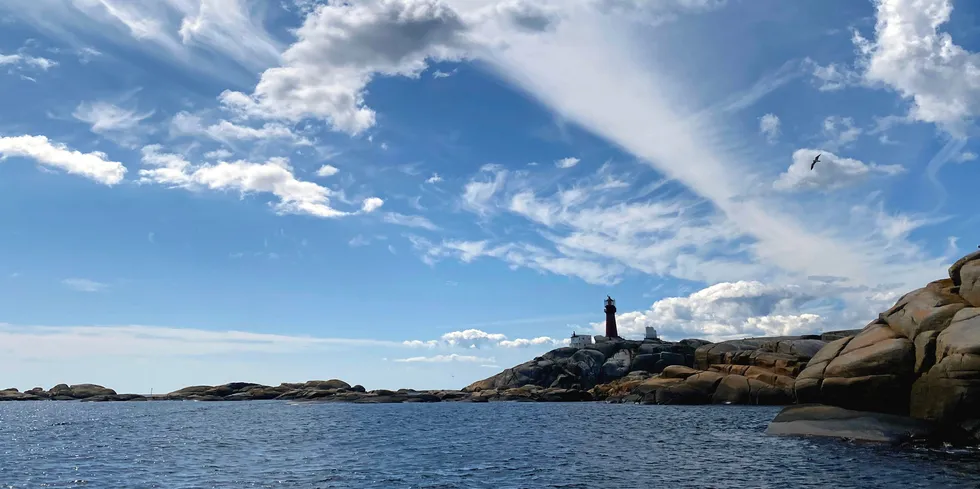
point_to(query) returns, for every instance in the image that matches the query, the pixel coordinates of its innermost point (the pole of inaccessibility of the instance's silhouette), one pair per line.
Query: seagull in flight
(815, 160)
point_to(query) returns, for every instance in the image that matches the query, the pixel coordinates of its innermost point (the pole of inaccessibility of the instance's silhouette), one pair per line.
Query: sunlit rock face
(919, 358)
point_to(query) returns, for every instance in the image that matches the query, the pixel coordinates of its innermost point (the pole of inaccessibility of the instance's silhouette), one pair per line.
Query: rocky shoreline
(911, 374)
(750, 371)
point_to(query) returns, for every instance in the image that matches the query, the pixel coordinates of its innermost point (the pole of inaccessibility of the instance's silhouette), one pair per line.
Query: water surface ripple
(271, 444)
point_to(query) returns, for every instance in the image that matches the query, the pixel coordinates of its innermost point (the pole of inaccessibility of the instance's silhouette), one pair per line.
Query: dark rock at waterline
(836, 422)
(115, 398)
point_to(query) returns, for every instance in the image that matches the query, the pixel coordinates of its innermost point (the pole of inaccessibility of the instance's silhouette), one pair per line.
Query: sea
(276, 444)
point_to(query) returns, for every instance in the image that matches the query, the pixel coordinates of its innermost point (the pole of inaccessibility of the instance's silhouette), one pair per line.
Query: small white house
(580, 340)
(651, 333)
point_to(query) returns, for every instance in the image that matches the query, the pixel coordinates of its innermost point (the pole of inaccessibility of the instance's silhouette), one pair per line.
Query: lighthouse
(611, 318)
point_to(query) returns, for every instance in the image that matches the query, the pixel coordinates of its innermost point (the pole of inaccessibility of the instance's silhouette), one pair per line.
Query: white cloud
(410, 221)
(475, 338)
(831, 172)
(151, 341)
(567, 162)
(832, 77)
(87, 54)
(965, 156)
(477, 194)
(654, 12)
(371, 204)
(359, 240)
(472, 337)
(339, 50)
(893, 226)
(769, 127)
(633, 102)
(275, 177)
(105, 117)
(327, 171)
(443, 74)
(231, 27)
(728, 310)
(225, 131)
(218, 154)
(446, 359)
(83, 284)
(26, 60)
(435, 178)
(840, 132)
(522, 255)
(539, 341)
(911, 56)
(95, 165)
(597, 235)
(201, 35)
(520, 16)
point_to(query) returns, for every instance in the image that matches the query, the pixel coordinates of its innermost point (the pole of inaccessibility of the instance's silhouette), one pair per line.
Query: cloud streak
(95, 165)
(153, 341)
(84, 284)
(475, 338)
(447, 359)
(618, 99)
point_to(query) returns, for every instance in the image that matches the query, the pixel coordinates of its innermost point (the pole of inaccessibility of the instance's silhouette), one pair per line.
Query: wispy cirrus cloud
(453, 357)
(155, 341)
(189, 34)
(420, 222)
(84, 284)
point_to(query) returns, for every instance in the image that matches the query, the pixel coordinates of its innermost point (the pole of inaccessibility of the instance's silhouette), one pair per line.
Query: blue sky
(419, 193)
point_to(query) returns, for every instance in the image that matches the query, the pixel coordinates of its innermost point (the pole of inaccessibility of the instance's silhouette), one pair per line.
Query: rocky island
(913, 373)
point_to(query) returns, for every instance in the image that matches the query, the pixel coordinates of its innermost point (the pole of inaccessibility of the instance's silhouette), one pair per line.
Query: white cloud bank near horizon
(87, 354)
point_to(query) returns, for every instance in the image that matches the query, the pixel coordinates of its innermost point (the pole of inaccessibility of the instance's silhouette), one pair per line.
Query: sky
(421, 193)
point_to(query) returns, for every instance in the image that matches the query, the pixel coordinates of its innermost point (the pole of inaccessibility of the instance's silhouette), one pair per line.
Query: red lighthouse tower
(611, 318)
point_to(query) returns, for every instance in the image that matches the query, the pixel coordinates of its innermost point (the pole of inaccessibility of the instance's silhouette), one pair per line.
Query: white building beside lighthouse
(580, 340)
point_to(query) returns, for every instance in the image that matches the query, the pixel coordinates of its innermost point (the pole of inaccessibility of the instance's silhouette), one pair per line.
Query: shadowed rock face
(596, 364)
(920, 358)
(60, 392)
(831, 421)
(756, 371)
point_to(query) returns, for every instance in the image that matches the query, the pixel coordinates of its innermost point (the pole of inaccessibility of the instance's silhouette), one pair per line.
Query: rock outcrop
(63, 392)
(831, 421)
(920, 358)
(759, 371)
(599, 363)
(782, 355)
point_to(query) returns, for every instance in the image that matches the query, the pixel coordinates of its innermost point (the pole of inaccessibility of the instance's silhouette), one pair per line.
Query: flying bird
(815, 160)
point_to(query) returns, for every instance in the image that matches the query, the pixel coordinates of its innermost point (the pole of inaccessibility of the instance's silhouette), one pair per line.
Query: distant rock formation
(747, 371)
(598, 363)
(60, 392)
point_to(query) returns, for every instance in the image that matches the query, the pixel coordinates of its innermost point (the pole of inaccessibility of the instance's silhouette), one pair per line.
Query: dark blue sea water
(496, 445)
